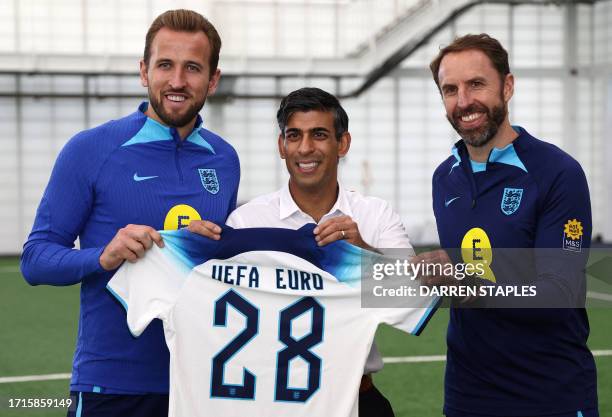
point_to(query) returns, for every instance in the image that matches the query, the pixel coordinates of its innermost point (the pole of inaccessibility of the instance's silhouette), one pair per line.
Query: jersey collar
(506, 155)
(153, 131)
(288, 207)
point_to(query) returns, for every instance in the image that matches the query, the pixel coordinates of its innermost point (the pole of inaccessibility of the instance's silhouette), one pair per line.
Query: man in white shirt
(314, 136)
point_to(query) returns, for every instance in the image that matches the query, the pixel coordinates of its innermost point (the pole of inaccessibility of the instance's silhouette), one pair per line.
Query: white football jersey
(261, 323)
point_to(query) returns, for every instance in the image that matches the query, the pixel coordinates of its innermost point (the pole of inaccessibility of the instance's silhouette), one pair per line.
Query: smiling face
(311, 150)
(475, 98)
(178, 77)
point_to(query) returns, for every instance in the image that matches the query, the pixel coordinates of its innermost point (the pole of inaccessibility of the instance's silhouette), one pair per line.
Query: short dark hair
(182, 20)
(482, 42)
(308, 99)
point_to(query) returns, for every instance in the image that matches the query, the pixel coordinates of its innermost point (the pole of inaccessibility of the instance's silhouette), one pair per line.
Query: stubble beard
(484, 134)
(172, 119)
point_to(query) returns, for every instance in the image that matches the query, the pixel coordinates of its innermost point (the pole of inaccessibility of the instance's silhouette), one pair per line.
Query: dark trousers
(373, 404)
(90, 404)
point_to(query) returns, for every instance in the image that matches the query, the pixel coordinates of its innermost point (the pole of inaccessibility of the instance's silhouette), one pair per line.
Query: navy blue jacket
(520, 361)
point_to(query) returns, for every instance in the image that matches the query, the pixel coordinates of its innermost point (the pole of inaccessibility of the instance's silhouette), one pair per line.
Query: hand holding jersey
(434, 261)
(264, 316)
(312, 141)
(436, 273)
(331, 230)
(205, 228)
(340, 228)
(314, 137)
(129, 244)
(154, 169)
(176, 97)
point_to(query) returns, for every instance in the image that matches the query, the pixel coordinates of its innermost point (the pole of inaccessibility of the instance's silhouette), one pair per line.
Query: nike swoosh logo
(137, 178)
(447, 202)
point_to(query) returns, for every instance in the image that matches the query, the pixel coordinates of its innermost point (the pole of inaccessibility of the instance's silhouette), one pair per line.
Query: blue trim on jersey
(478, 166)
(340, 259)
(125, 306)
(343, 261)
(151, 131)
(455, 153)
(79, 409)
(176, 239)
(97, 389)
(118, 297)
(433, 306)
(507, 155)
(197, 139)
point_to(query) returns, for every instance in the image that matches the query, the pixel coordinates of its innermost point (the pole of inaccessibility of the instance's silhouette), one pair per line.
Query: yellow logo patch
(573, 229)
(572, 235)
(180, 216)
(476, 250)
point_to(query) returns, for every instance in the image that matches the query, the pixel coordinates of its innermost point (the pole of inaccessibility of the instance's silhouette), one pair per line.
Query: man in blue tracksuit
(503, 188)
(112, 187)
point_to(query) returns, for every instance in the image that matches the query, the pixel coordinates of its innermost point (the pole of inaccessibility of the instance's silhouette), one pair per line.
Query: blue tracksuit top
(527, 361)
(128, 171)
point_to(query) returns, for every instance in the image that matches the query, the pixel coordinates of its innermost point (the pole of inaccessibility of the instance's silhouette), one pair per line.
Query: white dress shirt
(379, 225)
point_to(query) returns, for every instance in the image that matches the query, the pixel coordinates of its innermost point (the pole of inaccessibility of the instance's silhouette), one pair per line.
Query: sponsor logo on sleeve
(572, 235)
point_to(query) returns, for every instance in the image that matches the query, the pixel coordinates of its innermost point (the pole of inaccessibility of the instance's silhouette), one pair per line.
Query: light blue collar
(153, 131)
(506, 155)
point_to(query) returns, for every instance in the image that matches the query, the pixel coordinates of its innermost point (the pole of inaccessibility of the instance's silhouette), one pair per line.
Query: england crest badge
(209, 180)
(511, 200)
